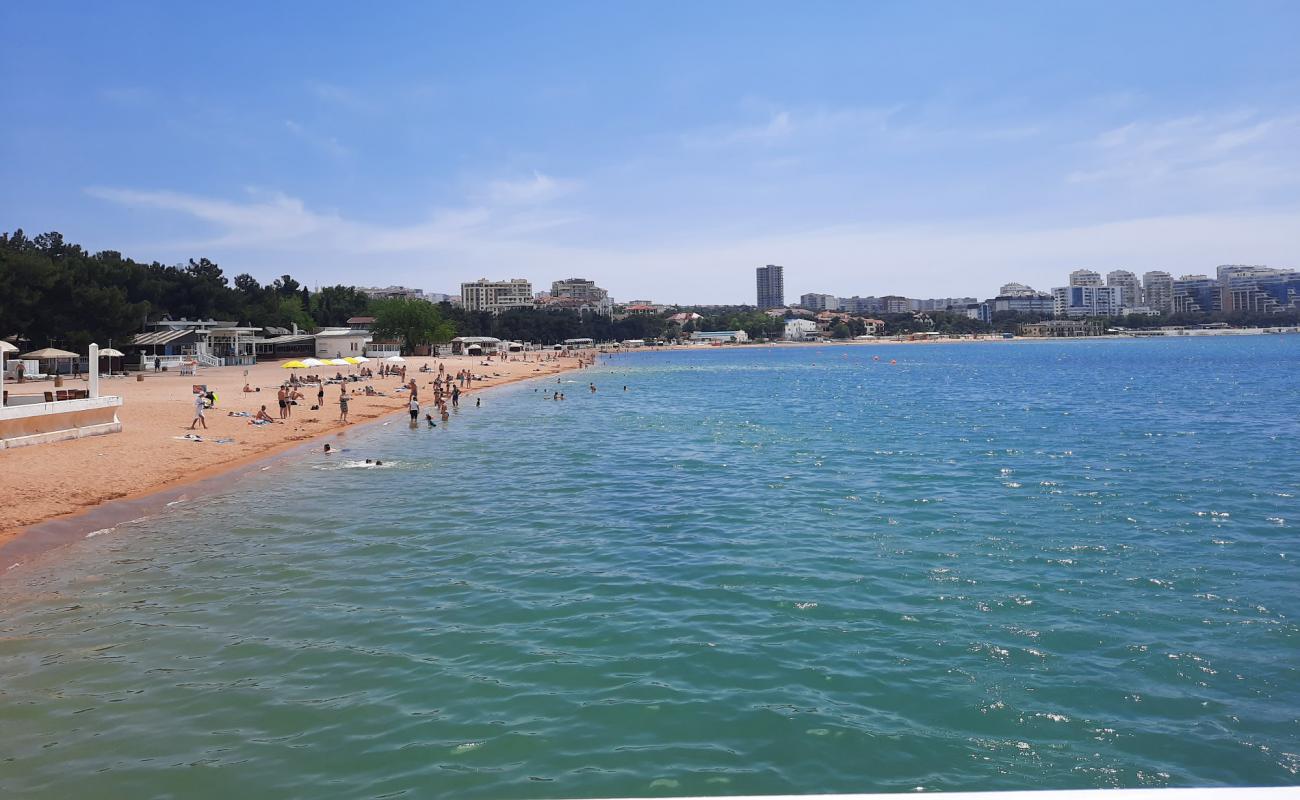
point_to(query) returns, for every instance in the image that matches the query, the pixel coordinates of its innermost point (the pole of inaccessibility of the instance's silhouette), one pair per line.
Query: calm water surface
(1000, 566)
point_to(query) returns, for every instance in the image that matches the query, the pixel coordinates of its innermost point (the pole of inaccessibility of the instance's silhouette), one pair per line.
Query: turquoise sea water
(1000, 566)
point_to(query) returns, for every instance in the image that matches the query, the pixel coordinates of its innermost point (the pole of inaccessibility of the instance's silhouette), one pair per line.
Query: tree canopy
(412, 322)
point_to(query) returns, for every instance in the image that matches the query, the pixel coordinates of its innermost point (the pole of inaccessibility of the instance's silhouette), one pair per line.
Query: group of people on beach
(447, 388)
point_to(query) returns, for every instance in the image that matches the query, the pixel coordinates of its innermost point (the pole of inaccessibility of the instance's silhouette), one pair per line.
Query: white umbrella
(338, 362)
(314, 362)
(361, 359)
(6, 347)
(395, 360)
(109, 352)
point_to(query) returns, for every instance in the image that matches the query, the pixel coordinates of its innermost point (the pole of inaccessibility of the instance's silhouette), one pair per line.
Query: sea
(968, 566)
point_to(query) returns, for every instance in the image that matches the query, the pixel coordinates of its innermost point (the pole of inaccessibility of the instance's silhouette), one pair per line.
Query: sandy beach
(66, 478)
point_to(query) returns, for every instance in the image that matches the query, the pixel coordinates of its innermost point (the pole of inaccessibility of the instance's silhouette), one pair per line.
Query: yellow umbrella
(351, 360)
(295, 364)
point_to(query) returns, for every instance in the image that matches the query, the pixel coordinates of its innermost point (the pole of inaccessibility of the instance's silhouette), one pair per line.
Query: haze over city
(920, 149)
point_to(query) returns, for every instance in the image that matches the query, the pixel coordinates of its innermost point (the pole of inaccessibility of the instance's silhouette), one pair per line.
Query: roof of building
(477, 340)
(342, 332)
(360, 320)
(165, 336)
(288, 338)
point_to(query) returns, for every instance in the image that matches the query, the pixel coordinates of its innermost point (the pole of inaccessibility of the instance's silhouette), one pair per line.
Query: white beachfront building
(800, 330)
(341, 342)
(720, 336)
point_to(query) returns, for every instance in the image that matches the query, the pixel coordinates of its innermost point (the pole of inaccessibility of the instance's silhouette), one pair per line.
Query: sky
(664, 149)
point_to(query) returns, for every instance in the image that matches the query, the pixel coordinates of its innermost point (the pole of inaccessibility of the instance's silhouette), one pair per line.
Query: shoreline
(105, 508)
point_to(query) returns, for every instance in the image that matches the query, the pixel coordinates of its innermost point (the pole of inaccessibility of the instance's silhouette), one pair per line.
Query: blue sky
(664, 149)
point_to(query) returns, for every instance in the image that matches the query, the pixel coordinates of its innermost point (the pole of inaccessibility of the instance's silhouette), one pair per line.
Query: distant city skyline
(908, 149)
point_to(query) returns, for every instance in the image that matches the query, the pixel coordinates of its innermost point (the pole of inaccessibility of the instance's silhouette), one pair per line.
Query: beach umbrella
(361, 359)
(338, 362)
(6, 347)
(50, 354)
(293, 365)
(109, 352)
(395, 360)
(314, 362)
(351, 360)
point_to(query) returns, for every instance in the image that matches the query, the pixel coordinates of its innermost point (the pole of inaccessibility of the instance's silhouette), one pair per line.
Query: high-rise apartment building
(496, 296)
(1130, 291)
(1158, 291)
(1197, 294)
(1258, 289)
(771, 286)
(1084, 277)
(1085, 301)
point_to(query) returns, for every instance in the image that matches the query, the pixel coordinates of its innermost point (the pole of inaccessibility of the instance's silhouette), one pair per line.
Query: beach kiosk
(474, 345)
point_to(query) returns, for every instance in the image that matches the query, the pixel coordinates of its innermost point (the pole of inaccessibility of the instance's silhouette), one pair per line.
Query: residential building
(800, 330)
(894, 304)
(1085, 301)
(1031, 303)
(496, 296)
(1197, 294)
(861, 305)
(586, 291)
(440, 297)
(1016, 290)
(1258, 289)
(944, 303)
(684, 317)
(1055, 328)
(645, 309)
(1158, 291)
(819, 302)
(1085, 277)
(771, 286)
(1130, 291)
(392, 292)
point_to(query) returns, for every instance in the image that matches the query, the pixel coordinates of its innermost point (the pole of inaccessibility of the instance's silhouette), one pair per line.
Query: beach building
(734, 337)
(211, 343)
(284, 344)
(496, 296)
(56, 414)
(342, 342)
(474, 345)
(1061, 328)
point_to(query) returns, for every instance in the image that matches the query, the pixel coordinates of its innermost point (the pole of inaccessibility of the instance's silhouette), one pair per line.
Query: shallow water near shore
(760, 570)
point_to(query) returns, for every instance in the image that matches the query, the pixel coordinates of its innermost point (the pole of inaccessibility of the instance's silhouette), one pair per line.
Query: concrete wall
(37, 423)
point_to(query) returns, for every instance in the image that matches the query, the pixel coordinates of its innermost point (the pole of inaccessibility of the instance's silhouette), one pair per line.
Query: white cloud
(539, 188)
(1236, 151)
(328, 145)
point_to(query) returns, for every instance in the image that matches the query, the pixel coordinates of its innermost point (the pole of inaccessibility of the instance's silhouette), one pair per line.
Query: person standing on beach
(320, 396)
(157, 364)
(198, 411)
(343, 404)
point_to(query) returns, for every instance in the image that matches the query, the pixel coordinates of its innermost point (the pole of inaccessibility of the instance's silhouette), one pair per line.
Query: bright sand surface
(62, 478)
